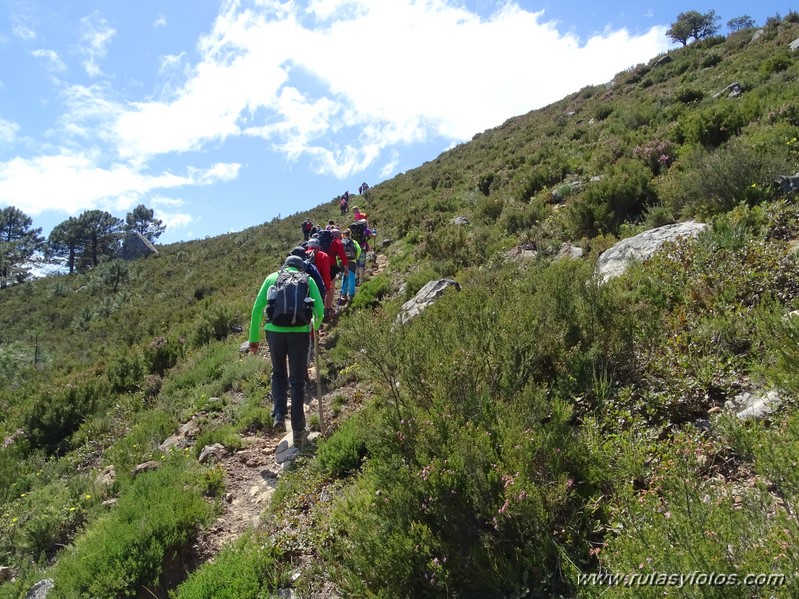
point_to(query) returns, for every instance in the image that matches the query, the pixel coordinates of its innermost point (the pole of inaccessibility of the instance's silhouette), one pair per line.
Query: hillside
(532, 430)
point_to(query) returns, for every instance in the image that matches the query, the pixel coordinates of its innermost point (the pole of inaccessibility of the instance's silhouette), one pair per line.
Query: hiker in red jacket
(338, 263)
(322, 261)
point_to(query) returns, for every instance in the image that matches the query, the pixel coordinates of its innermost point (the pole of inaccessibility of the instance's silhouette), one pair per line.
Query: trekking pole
(318, 379)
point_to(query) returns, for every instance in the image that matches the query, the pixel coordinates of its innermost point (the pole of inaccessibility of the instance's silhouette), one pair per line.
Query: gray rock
(753, 406)
(733, 90)
(757, 35)
(570, 251)
(40, 589)
(145, 467)
(614, 261)
(460, 220)
(426, 296)
(216, 451)
(107, 477)
(183, 437)
(794, 45)
(665, 59)
(787, 184)
(134, 246)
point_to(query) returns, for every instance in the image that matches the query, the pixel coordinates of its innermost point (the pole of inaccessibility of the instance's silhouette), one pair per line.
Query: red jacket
(337, 251)
(322, 262)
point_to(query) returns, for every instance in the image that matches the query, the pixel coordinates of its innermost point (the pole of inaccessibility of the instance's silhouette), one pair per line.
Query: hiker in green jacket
(287, 342)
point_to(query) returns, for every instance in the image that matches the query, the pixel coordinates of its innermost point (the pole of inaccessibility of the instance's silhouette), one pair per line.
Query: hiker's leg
(351, 283)
(298, 367)
(278, 352)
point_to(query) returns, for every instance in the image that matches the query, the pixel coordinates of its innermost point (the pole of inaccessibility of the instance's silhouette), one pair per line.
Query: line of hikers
(344, 200)
(297, 298)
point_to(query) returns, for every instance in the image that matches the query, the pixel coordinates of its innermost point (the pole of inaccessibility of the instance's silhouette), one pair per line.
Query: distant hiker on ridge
(307, 226)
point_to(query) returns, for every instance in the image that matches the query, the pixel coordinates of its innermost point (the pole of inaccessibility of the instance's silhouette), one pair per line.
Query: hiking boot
(279, 426)
(342, 300)
(300, 438)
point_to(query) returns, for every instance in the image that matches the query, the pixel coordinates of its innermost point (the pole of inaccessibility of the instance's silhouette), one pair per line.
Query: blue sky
(222, 114)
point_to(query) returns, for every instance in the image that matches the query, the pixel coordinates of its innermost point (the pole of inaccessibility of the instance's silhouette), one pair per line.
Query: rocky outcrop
(426, 296)
(788, 184)
(615, 261)
(134, 246)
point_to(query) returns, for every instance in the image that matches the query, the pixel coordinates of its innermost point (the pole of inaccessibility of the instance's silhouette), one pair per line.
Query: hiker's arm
(257, 317)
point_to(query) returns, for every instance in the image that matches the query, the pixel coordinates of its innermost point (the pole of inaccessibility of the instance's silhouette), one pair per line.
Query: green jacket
(260, 304)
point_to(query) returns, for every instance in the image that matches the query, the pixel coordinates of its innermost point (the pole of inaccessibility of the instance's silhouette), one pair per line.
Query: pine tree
(18, 243)
(142, 221)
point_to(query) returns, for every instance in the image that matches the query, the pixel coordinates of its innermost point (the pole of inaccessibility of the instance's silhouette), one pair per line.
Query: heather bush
(247, 569)
(123, 552)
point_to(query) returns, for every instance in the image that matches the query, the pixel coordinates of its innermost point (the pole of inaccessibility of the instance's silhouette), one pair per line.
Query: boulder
(615, 260)
(134, 246)
(146, 467)
(182, 438)
(40, 589)
(787, 184)
(106, 478)
(794, 45)
(426, 296)
(569, 251)
(216, 451)
(460, 220)
(753, 406)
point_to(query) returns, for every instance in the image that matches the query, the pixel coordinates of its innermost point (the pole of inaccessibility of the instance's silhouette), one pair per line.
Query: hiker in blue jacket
(287, 344)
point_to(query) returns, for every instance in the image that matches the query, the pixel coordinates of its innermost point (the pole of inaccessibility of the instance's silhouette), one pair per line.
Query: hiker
(315, 255)
(357, 214)
(311, 268)
(363, 189)
(287, 333)
(330, 243)
(361, 234)
(344, 205)
(353, 251)
(307, 226)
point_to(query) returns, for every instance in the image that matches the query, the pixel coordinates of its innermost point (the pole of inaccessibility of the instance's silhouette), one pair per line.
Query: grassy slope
(129, 397)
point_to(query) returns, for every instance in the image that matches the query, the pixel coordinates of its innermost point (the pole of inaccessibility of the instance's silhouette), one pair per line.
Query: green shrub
(687, 521)
(122, 553)
(343, 452)
(620, 195)
(244, 570)
(719, 180)
(214, 325)
(162, 354)
(776, 63)
(51, 418)
(371, 292)
(712, 126)
(224, 434)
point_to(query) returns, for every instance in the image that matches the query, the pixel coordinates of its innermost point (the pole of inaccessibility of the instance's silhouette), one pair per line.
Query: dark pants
(291, 347)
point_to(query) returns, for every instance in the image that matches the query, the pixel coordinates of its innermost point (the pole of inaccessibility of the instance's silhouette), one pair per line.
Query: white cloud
(72, 182)
(51, 59)
(341, 84)
(96, 34)
(160, 21)
(431, 69)
(21, 29)
(171, 61)
(8, 132)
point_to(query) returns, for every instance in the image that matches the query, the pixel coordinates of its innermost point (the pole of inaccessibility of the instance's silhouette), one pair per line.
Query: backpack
(349, 248)
(325, 239)
(288, 303)
(358, 231)
(307, 225)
